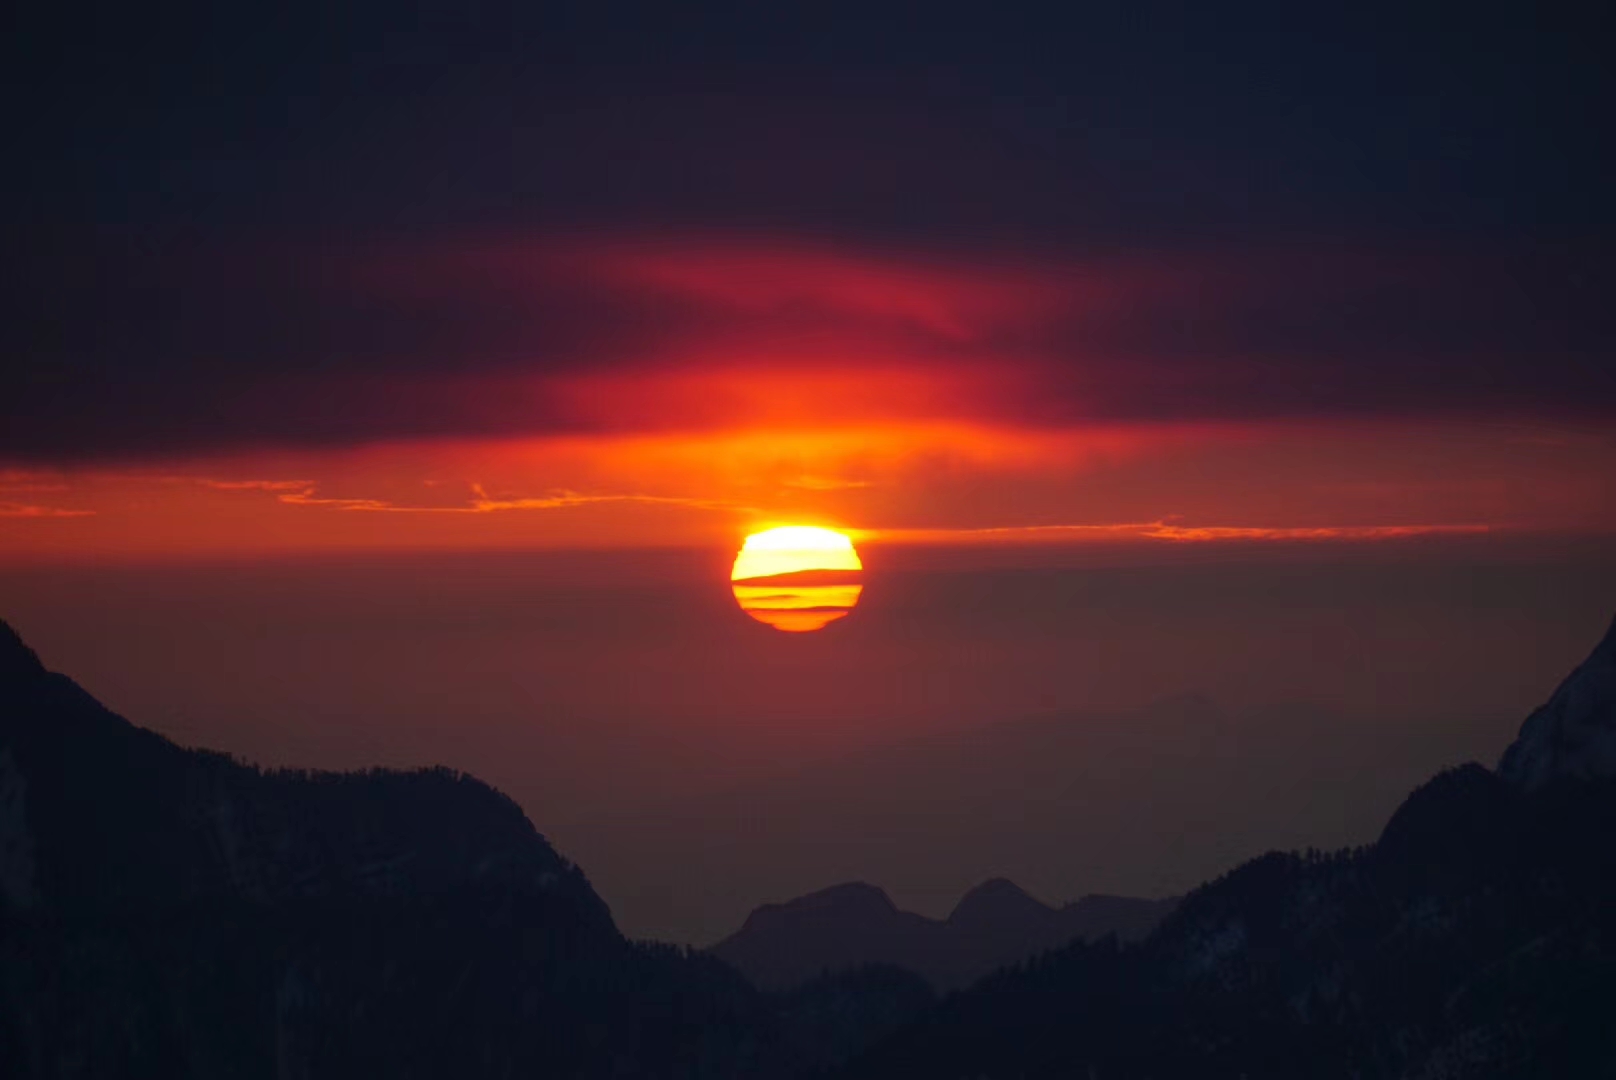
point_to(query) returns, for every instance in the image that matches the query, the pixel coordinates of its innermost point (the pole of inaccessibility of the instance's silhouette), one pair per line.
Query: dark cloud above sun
(320, 226)
(140, 345)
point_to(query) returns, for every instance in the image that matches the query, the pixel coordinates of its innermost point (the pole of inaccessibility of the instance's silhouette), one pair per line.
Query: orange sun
(797, 577)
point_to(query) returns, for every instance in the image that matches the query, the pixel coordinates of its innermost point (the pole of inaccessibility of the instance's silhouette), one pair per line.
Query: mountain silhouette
(1574, 733)
(853, 925)
(1145, 802)
(1475, 938)
(120, 819)
(167, 912)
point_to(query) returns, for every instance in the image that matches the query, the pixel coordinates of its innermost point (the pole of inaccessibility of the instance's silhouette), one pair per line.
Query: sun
(797, 577)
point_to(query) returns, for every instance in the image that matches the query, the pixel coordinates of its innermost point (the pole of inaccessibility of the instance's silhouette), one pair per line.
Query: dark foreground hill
(172, 913)
(854, 925)
(1475, 938)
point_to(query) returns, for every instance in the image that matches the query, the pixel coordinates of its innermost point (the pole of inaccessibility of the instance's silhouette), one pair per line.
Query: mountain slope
(1574, 733)
(167, 912)
(117, 817)
(1475, 938)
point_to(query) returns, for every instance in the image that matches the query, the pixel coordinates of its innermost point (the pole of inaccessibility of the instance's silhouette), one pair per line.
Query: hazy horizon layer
(1077, 718)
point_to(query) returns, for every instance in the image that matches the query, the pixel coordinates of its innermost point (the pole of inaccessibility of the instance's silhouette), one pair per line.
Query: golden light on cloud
(797, 577)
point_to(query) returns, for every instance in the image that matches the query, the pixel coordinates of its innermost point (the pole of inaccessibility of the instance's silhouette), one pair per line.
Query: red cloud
(344, 347)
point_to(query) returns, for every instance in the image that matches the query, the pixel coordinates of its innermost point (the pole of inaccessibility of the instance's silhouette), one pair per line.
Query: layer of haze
(1123, 719)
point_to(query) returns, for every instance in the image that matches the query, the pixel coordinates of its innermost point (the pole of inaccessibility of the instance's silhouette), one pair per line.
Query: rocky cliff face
(1573, 735)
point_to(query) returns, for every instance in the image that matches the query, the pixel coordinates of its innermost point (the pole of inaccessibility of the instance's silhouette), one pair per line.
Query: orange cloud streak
(894, 481)
(1162, 530)
(28, 510)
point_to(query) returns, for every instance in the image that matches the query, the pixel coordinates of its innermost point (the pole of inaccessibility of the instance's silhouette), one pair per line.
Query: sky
(1126, 289)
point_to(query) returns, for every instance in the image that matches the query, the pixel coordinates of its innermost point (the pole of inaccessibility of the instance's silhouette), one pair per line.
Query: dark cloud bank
(1411, 220)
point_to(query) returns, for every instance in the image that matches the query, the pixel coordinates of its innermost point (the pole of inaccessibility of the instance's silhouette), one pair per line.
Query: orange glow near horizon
(904, 480)
(797, 578)
(704, 386)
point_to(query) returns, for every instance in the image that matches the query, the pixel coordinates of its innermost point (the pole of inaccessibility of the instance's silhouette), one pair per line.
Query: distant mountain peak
(853, 899)
(17, 661)
(1573, 735)
(851, 925)
(996, 887)
(995, 902)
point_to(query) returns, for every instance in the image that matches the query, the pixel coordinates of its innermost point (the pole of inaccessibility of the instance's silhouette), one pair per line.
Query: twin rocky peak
(1571, 737)
(995, 924)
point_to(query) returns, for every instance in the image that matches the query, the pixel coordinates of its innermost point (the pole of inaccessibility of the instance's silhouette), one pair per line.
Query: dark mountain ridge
(120, 818)
(167, 912)
(172, 913)
(853, 925)
(1475, 938)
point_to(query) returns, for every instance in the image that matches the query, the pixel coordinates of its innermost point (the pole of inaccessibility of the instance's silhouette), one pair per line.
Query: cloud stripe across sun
(797, 578)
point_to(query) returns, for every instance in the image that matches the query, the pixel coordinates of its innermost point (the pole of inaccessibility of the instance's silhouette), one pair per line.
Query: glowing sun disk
(791, 549)
(797, 577)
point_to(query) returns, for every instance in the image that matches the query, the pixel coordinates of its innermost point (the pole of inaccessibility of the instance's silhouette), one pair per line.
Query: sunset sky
(206, 395)
(1141, 285)
(417, 280)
